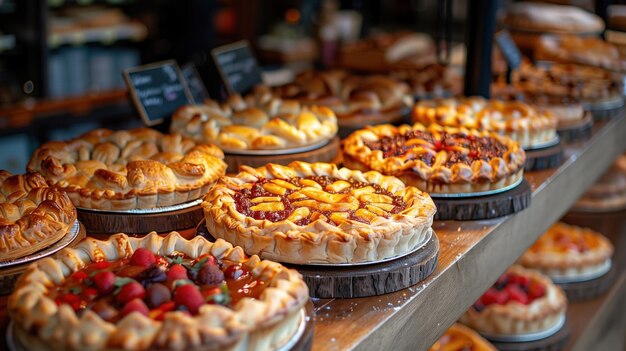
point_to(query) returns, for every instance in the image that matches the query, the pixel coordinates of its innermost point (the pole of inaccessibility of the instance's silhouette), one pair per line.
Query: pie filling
(154, 285)
(511, 287)
(460, 147)
(305, 200)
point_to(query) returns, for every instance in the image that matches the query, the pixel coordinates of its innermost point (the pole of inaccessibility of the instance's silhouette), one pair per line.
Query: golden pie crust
(516, 318)
(591, 51)
(138, 168)
(442, 176)
(541, 17)
(461, 338)
(555, 253)
(258, 122)
(252, 324)
(333, 237)
(33, 215)
(519, 121)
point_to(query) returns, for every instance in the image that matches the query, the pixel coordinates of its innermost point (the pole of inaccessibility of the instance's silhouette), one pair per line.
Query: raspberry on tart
(317, 213)
(163, 293)
(461, 338)
(521, 301)
(568, 251)
(437, 159)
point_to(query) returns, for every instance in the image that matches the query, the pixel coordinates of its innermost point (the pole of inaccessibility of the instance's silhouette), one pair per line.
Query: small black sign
(196, 86)
(508, 48)
(237, 66)
(157, 89)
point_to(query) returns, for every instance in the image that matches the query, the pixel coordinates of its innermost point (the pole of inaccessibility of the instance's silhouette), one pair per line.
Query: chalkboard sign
(508, 48)
(196, 86)
(157, 89)
(237, 66)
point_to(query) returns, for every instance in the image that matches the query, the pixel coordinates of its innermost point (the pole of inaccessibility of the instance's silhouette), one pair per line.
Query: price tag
(157, 90)
(196, 86)
(508, 48)
(237, 66)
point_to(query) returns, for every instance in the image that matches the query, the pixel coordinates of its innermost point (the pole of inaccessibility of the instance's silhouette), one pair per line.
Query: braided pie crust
(33, 216)
(443, 175)
(328, 234)
(252, 324)
(138, 168)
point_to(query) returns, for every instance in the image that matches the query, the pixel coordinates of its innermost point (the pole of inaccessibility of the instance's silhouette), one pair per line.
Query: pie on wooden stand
(461, 338)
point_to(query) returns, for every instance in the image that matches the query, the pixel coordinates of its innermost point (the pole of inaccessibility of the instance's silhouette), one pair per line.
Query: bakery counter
(472, 256)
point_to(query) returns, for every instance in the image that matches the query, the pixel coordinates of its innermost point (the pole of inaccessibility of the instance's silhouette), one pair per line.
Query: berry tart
(33, 215)
(441, 160)
(307, 213)
(163, 293)
(522, 301)
(527, 125)
(258, 122)
(461, 338)
(139, 168)
(567, 251)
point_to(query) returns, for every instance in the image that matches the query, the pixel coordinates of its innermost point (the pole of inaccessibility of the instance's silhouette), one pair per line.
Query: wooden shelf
(473, 254)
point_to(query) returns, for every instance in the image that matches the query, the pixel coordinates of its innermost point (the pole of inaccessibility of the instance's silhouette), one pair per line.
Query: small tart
(461, 338)
(92, 297)
(138, 168)
(521, 301)
(33, 215)
(517, 120)
(568, 251)
(316, 213)
(255, 124)
(437, 159)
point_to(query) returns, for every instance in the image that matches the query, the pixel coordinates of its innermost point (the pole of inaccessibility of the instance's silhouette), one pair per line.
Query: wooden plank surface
(473, 254)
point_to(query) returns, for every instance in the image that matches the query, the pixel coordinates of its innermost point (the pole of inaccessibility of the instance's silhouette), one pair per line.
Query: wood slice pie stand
(484, 207)
(577, 130)
(544, 158)
(605, 109)
(373, 279)
(554, 342)
(326, 153)
(9, 275)
(589, 289)
(102, 222)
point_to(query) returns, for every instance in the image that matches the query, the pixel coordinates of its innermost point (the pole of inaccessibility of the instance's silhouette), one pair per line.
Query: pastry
(523, 123)
(255, 123)
(33, 215)
(522, 301)
(139, 168)
(590, 51)
(437, 159)
(461, 338)
(428, 81)
(607, 194)
(156, 293)
(316, 213)
(568, 251)
(539, 17)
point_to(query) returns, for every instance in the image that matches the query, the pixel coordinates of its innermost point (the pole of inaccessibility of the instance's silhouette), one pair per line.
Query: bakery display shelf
(472, 256)
(106, 35)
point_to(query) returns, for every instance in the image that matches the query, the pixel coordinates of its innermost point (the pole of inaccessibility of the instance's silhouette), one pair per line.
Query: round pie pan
(292, 150)
(147, 210)
(544, 145)
(57, 246)
(479, 193)
(563, 279)
(526, 337)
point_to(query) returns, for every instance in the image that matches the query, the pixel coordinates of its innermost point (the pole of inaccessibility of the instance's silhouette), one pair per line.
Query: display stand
(544, 158)
(555, 342)
(578, 130)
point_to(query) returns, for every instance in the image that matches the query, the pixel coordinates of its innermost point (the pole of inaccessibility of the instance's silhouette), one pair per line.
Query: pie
(164, 293)
(568, 251)
(270, 123)
(138, 168)
(440, 160)
(522, 301)
(349, 96)
(527, 125)
(540, 17)
(608, 193)
(461, 338)
(33, 215)
(316, 213)
(590, 51)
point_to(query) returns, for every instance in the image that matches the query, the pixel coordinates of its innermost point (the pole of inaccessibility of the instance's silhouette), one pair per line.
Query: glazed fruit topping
(153, 285)
(511, 287)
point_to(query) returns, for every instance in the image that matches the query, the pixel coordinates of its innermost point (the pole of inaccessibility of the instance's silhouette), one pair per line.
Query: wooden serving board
(326, 153)
(549, 157)
(577, 130)
(9, 275)
(373, 279)
(589, 289)
(484, 207)
(130, 223)
(554, 342)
